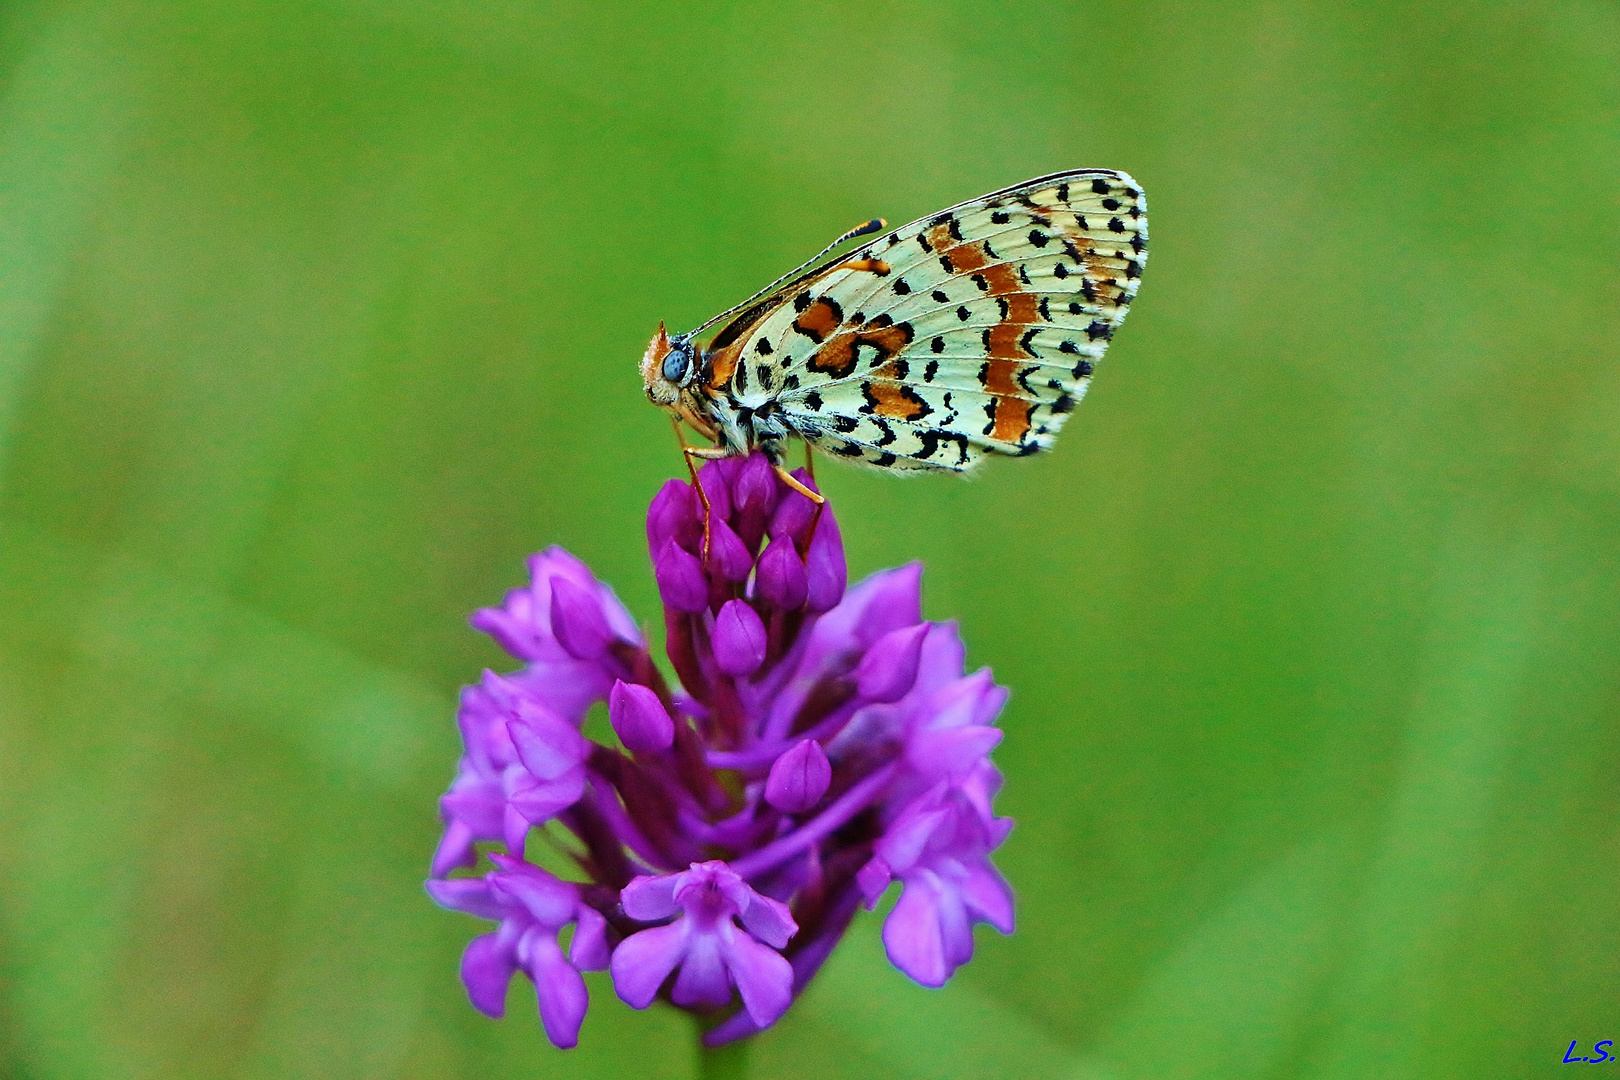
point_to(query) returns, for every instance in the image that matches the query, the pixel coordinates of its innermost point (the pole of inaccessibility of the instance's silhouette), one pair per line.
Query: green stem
(728, 1062)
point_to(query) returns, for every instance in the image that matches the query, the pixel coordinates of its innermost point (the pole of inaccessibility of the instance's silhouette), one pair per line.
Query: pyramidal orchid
(820, 744)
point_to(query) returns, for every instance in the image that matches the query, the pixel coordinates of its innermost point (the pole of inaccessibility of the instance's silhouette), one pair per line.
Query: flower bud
(781, 579)
(889, 668)
(794, 512)
(753, 491)
(729, 557)
(715, 479)
(739, 639)
(825, 571)
(799, 778)
(639, 718)
(672, 515)
(578, 621)
(754, 485)
(681, 583)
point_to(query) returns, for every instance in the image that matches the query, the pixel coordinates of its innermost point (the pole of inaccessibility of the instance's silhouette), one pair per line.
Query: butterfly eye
(676, 366)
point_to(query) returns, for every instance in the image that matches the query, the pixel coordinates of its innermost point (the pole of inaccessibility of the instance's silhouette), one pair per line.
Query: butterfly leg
(708, 453)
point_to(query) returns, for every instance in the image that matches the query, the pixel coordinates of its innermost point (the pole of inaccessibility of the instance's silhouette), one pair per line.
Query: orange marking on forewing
(864, 266)
(896, 401)
(890, 339)
(819, 318)
(940, 238)
(836, 357)
(1012, 419)
(722, 365)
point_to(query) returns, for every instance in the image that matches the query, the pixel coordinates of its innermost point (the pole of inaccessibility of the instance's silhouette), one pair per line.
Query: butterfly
(969, 332)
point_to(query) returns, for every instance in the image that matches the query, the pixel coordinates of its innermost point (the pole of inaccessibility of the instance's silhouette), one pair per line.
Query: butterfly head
(669, 367)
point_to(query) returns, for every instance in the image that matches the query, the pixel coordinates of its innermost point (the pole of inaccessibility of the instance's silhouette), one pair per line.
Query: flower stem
(728, 1062)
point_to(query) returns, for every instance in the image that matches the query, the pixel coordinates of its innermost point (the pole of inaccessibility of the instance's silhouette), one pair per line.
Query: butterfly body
(969, 332)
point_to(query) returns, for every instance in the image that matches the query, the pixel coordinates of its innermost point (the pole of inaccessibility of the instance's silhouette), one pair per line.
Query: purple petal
(549, 901)
(644, 960)
(477, 805)
(738, 639)
(455, 849)
(988, 897)
(769, 920)
(952, 753)
(647, 899)
(589, 949)
(728, 555)
(825, 571)
(547, 746)
(470, 895)
(639, 718)
(567, 687)
(942, 660)
(559, 989)
(578, 621)
(902, 845)
(889, 668)
(764, 978)
(538, 801)
(781, 581)
(799, 778)
(702, 980)
(912, 939)
(514, 830)
(888, 600)
(681, 583)
(873, 879)
(955, 928)
(486, 971)
(512, 625)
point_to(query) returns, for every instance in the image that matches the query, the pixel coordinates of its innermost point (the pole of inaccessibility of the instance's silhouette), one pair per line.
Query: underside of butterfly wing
(973, 331)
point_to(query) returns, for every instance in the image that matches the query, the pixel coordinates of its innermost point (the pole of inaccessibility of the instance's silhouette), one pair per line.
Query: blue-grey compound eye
(676, 364)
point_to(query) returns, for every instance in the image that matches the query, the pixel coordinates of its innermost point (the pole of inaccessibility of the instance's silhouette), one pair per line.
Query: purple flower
(705, 944)
(822, 743)
(531, 906)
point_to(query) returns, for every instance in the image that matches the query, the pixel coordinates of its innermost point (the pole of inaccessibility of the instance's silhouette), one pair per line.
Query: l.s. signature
(1600, 1049)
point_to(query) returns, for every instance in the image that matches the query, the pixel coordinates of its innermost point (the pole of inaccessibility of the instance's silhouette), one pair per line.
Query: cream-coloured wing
(974, 330)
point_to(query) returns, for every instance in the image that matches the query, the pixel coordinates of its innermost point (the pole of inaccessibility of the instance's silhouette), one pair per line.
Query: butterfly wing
(972, 331)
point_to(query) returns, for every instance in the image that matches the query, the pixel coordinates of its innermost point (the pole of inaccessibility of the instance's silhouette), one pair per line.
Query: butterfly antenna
(865, 228)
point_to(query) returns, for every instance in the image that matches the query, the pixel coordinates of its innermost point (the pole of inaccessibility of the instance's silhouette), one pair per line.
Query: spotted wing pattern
(972, 331)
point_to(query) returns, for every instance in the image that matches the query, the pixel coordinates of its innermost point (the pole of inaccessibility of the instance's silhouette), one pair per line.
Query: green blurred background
(316, 317)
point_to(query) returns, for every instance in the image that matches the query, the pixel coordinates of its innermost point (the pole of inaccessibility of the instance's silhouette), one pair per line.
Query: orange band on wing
(1011, 422)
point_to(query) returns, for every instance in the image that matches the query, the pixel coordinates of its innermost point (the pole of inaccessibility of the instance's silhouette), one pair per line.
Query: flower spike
(822, 743)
